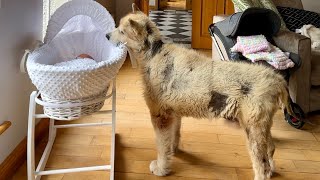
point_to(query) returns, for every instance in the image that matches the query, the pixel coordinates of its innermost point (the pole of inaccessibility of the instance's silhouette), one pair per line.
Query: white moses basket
(77, 27)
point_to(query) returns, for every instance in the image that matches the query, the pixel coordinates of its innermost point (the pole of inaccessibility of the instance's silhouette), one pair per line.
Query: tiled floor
(174, 25)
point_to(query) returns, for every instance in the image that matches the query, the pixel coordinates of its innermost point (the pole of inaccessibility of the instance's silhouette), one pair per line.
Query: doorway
(201, 17)
(174, 20)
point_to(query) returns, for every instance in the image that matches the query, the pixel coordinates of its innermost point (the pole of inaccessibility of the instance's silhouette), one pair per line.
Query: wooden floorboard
(209, 149)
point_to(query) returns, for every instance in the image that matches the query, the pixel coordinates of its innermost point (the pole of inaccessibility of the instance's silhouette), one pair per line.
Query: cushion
(268, 4)
(296, 18)
(257, 3)
(242, 5)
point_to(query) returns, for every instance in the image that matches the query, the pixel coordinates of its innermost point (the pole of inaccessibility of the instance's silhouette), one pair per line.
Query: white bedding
(77, 62)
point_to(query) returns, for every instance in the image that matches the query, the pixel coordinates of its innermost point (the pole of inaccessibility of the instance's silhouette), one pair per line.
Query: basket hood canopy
(100, 17)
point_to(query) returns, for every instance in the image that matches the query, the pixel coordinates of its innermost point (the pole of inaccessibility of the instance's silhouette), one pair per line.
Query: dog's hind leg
(258, 145)
(176, 138)
(271, 149)
(165, 126)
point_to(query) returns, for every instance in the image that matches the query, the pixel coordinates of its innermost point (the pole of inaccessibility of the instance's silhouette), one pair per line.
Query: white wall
(311, 5)
(20, 24)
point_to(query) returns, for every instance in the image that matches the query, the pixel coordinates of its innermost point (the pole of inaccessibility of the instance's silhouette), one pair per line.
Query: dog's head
(136, 31)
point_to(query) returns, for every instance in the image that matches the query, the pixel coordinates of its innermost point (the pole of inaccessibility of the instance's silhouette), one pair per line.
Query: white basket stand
(36, 173)
(58, 19)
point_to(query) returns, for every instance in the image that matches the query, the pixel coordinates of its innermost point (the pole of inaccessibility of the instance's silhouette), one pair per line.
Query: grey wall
(311, 5)
(20, 25)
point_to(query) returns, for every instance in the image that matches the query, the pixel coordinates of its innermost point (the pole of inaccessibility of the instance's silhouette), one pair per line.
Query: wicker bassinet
(83, 85)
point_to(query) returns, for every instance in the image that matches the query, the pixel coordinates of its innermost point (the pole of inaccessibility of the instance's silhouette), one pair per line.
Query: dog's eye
(121, 32)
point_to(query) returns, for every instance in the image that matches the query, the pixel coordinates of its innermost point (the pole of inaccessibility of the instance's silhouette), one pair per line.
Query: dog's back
(194, 85)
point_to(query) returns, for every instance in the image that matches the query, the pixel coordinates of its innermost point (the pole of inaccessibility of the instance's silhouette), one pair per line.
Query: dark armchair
(304, 82)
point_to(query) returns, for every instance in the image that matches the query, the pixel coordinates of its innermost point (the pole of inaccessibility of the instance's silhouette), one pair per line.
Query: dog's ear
(135, 8)
(135, 26)
(133, 23)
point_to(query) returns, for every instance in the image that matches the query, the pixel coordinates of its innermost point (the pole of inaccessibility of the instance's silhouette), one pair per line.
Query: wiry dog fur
(181, 82)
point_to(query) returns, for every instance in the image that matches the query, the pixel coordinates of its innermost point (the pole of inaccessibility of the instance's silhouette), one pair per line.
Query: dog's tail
(286, 100)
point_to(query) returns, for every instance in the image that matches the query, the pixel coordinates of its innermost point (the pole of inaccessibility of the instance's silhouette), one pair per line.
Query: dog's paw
(259, 178)
(158, 171)
(271, 170)
(269, 174)
(272, 166)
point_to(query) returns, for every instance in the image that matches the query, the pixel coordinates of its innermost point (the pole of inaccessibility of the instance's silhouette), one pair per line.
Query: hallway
(175, 25)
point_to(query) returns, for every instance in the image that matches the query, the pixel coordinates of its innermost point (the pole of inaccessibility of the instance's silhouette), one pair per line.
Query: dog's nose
(108, 36)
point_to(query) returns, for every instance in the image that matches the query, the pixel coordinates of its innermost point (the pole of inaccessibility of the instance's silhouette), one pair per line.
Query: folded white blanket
(313, 33)
(275, 57)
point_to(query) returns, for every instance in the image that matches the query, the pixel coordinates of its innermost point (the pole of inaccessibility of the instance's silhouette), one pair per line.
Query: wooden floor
(209, 149)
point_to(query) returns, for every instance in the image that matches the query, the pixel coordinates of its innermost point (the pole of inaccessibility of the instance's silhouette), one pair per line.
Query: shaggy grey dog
(181, 82)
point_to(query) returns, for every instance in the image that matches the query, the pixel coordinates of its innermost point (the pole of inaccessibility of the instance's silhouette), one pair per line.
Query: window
(49, 6)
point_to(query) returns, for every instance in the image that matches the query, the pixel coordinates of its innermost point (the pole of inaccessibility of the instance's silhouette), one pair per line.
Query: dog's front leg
(165, 127)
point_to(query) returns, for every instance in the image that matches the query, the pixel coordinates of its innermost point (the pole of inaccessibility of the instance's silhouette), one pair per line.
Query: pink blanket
(251, 44)
(257, 48)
